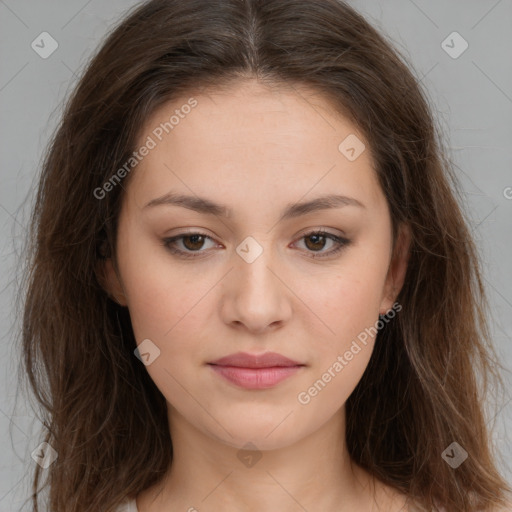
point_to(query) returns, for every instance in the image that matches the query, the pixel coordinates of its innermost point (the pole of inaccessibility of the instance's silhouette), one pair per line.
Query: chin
(262, 437)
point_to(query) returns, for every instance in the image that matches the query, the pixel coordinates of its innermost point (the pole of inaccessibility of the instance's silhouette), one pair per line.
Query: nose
(256, 296)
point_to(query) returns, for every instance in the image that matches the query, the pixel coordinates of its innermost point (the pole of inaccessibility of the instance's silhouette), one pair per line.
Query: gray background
(472, 95)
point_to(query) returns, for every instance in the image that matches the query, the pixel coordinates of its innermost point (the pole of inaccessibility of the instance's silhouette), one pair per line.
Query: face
(254, 274)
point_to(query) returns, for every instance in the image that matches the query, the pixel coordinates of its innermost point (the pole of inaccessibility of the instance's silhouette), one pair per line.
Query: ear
(110, 281)
(397, 268)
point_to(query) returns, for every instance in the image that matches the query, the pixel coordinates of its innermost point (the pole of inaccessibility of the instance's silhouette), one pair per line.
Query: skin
(257, 150)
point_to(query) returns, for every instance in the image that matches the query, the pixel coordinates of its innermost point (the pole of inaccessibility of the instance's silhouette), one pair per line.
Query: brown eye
(316, 241)
(193, 242)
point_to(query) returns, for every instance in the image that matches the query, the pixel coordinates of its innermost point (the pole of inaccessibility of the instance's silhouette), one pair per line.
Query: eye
(194, 242)
(315, 241)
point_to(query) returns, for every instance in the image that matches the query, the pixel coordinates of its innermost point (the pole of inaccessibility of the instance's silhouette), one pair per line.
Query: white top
(127, 506)
(131, 506)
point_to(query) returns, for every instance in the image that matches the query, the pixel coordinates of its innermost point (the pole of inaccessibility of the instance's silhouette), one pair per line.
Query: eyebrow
(209, 207)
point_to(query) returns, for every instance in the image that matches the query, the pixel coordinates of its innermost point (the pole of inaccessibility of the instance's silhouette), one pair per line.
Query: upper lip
(246, 360)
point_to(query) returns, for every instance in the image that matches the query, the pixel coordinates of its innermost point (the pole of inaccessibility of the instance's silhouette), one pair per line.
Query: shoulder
(396, 501)
(390, 498)
(506, 508)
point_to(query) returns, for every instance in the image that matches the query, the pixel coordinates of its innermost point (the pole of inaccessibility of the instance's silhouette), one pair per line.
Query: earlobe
(397, 268)
(110, 281)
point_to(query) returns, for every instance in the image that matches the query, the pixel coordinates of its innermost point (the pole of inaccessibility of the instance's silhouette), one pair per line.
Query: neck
(315, 473)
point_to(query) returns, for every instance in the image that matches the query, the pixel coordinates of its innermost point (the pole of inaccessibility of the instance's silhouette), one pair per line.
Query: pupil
(316, 237)
(194, 241)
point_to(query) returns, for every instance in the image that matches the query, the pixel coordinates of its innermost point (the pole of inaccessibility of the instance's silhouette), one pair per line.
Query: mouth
(253, 371)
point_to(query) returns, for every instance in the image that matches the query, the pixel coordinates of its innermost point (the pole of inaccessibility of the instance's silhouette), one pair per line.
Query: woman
(250, 285)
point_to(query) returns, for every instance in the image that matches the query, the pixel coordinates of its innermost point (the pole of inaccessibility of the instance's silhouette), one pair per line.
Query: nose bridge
(252, 269)
(257, 296)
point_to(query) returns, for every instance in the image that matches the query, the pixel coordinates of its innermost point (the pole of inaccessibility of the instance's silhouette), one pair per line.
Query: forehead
(251, 138)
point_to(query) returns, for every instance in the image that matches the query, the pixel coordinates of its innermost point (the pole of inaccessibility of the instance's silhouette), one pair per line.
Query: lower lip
(255, 378)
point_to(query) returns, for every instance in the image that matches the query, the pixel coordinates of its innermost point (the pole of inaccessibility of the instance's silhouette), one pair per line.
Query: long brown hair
(429, 375)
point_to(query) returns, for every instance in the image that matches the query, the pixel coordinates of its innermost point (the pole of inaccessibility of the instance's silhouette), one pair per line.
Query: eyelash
(340, 241)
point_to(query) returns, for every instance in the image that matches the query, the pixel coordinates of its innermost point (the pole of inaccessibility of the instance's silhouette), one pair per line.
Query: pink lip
(255, 371)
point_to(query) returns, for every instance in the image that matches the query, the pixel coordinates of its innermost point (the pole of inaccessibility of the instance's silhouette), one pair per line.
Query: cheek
(166, 309)
(348, 299)
(159, 294)
(350, 310)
